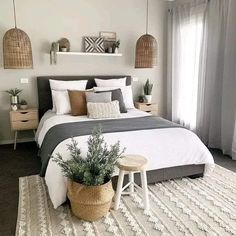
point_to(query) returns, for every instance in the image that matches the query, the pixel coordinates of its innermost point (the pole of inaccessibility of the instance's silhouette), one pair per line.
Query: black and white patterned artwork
(94, 44)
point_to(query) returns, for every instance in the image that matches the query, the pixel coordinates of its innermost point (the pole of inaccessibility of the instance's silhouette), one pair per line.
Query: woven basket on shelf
(146, 52)
(17, 51)
(90, 202)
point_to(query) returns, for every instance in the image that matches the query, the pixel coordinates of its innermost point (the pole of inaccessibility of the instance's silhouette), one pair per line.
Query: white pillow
(62, 85)
(126, 92)
(111, 82)
(62, 102)
(103, 110)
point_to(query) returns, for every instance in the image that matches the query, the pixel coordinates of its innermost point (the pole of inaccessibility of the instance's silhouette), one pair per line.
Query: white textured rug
(204, 206)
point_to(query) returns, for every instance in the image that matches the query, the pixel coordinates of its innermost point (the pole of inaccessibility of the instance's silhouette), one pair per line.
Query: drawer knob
(24, 121)
(23, 112)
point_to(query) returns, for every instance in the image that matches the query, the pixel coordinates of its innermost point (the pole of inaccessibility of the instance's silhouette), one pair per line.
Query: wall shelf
(53, 57)
(89, 54)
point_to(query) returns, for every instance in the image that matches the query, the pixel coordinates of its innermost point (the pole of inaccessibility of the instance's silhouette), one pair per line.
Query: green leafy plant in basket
(89, 179)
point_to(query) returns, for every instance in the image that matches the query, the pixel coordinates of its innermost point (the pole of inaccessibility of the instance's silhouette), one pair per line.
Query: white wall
(48, 20)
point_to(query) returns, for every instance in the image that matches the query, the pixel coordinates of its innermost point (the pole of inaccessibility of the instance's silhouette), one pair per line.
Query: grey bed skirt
(154, 176)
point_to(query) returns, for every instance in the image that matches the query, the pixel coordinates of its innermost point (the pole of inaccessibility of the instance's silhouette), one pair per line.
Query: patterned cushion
(103, 110)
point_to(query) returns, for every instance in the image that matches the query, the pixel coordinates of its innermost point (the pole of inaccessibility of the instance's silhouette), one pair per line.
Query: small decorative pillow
(98, 97)
(116, 96)
(103, 110)
(77, 102)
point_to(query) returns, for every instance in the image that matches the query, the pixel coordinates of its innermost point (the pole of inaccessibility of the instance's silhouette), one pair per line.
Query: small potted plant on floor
(23, 105)
(148, 91)
(89, 179)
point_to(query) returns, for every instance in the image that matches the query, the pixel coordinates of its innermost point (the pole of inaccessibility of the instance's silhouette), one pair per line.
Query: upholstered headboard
(44, 91)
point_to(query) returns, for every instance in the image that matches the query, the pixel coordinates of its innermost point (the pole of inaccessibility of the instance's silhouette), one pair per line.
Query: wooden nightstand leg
(34, 132)
(15, 140)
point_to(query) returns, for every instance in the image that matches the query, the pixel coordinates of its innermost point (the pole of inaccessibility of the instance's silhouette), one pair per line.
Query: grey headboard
(44, 91)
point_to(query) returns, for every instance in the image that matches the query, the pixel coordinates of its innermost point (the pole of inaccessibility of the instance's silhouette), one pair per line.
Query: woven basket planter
(90, 202)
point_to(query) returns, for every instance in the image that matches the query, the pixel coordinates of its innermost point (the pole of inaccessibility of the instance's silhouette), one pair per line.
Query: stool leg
(118, 189)
(145, 189)
(131, 179)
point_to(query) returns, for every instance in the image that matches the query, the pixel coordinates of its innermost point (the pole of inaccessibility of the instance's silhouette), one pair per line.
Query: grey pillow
(116, 94)
(98, 97)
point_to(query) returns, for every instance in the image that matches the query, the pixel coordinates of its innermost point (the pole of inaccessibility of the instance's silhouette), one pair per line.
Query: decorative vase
(14, 100)
(90, 202)
(14, 107)
(110, 50)
(148, 98)
(116, 51)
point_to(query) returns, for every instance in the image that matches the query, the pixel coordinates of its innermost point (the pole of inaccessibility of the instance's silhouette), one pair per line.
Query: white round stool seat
(132, 163)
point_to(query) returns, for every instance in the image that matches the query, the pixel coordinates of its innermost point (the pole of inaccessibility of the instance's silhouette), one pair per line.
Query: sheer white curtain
(202, 82)
(187, 32)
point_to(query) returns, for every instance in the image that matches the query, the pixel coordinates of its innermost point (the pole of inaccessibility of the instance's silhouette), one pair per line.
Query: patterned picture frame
(94, 44)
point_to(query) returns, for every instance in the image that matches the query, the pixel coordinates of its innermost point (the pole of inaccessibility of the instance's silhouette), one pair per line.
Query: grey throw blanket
(60, 132)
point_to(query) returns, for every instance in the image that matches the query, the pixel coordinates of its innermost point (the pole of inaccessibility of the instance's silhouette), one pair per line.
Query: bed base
(154, 176)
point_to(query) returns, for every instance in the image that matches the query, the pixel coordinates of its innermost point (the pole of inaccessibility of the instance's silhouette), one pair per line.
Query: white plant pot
(148, 98)
(116, 51)
(14, 107)
(14, 100)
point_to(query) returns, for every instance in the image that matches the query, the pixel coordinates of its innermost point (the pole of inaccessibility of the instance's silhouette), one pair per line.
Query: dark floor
(14, 164)
(23, 162)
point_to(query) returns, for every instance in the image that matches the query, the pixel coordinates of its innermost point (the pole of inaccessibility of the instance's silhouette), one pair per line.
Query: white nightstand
(23, 120)
(151, 108)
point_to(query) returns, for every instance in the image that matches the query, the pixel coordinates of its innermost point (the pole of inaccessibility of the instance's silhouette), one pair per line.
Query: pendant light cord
(14, 13)
(147, 19)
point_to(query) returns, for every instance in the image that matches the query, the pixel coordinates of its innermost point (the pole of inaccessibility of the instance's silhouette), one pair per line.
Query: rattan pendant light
(17, 51)
(146, 49)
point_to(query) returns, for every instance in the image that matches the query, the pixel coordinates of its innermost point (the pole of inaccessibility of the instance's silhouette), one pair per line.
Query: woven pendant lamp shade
(146, 52)
(17, 51)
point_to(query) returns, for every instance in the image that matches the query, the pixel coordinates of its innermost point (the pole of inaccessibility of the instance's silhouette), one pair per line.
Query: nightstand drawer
(148, 107)
(24, 115)
(24, 124)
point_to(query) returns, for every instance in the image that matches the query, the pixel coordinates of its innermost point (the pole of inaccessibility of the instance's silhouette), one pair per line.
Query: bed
(172, 152)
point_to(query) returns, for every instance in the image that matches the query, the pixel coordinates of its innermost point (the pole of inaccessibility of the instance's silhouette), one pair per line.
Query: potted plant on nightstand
(147, 88)
(89, 179)
(14, 94)
(23, 104)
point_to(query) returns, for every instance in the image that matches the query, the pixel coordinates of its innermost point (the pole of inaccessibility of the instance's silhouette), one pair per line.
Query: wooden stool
(131, 164)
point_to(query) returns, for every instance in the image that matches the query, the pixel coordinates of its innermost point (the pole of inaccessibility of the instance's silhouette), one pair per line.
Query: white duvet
(162, 147)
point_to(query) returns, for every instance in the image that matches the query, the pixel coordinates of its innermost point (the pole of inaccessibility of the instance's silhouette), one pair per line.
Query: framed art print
(94, 44)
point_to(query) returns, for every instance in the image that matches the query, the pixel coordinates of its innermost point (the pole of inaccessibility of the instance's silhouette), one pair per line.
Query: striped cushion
(103, 110)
